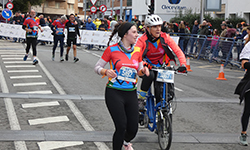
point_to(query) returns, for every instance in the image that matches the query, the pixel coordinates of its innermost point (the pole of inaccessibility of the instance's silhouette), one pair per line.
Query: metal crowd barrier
(221, 50)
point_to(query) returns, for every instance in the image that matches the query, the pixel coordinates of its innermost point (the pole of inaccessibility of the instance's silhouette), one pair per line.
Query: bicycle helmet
(153, 20)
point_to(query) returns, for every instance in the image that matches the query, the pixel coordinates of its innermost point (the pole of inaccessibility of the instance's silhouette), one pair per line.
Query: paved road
(68, 111)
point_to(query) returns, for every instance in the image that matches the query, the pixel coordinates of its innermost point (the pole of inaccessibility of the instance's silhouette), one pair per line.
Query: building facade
(167, 9)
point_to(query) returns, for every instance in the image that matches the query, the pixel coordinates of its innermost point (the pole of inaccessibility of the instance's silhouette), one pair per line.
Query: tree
(25, 5)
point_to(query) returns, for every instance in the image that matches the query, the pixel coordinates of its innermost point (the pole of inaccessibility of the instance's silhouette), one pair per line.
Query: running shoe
(76, 60)
(128, 147)
(35, 61)
(61, 59)
(66, 57)
(243, 139)
(53, 57)
(25, 57)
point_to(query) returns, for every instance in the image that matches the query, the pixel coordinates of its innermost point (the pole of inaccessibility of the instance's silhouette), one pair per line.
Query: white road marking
(96, 55)
(20, 66)
(83, 121)
(36, 92)
(40, 104)
(18, 53)
(48, 120)
(20, 71)
(25, 77)
(14, 123)
(178, 89)
(50, 145)
(12, 58)
(12, 55)
(30, 84)
(17, 62)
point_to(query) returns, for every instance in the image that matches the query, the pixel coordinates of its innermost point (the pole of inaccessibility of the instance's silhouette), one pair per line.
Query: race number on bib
(60, 30)
(127, 74)
(71, 29)
(165, 76)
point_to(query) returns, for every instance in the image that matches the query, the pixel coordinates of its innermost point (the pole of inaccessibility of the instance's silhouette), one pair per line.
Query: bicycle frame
(152, 108)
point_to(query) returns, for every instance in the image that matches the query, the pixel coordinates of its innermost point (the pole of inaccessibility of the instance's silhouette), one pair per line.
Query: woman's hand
(110, 73)
(143, 71)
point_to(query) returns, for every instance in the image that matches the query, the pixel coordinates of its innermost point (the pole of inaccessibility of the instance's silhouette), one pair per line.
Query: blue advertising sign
(6, 13)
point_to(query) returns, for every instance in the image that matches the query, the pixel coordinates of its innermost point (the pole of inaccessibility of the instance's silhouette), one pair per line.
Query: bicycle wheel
(164, 127)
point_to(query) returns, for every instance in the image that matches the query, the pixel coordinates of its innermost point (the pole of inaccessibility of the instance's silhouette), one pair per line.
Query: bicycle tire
(164, 132)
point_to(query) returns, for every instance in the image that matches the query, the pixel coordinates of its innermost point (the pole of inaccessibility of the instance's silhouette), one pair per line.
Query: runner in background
(31, 27)
(58, 32)
(73, 31)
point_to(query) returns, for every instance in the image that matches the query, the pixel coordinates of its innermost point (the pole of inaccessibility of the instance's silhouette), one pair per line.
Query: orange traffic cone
(221, 74)
(188, 65)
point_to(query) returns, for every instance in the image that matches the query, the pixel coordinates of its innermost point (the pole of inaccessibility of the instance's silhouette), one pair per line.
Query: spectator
(164, 26)
(142, 27)
(112, 24)
(182, 38)
(121, 21)
(204, 29)
(210, 28)
(90, 26)
(42, 21)
(215, 39)
(46, 22)
(195, 30)
(108, 22)
(195, 27)
(170, 28)
(103, 27)
(175, 26)
(224, 30)
(2, 18)
(97, 22)
(225, 47)
(230, 31)
(18, 19)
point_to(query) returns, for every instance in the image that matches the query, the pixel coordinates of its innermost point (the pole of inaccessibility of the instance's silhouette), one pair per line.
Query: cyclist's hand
(182, 69)
(111, 73)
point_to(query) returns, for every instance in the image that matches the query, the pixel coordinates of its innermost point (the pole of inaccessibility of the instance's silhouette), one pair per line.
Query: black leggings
(246, 112)
(56, 39)
(147, 81)
(31, 41)
(123, 108)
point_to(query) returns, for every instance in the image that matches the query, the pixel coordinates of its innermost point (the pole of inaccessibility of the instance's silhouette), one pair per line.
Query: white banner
(87, 36)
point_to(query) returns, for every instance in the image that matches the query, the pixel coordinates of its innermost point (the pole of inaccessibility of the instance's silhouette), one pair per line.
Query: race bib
(165, 76)
(127, 74)
(60, 30)
(71, 29)
(35, 27)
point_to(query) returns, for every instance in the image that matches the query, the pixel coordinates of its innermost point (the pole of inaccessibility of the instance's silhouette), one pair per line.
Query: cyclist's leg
(146, 83)
(158, 87)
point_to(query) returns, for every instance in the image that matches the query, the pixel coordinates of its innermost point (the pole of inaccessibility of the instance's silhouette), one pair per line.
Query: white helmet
(153, 20)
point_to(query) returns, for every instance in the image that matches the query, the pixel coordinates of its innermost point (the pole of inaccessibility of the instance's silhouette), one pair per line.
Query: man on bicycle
(157, 48)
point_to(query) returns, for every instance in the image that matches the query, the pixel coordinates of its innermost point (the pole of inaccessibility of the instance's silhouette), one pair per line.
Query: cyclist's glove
(147, 65)
(182, 69)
